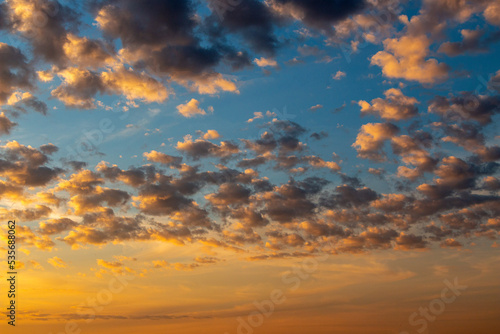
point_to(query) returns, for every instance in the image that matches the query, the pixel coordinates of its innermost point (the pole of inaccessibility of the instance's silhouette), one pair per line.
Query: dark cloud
(25, 165)
(15, 71)
(56, 226)
(473, 41)
(28, 214)
(467, 107)
(252, 20)
(6, 124)
(45, 24)
(320, 14)
(200, 148)
(79, 88)
(319, 136)
(347, 196)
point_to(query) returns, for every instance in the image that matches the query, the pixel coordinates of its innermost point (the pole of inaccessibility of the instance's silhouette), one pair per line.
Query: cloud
(413, 151)
(472, 41)
(466, 107)
(317, 162)
(256, 115)
(254, 22)
(15, 71)
(28, 214)
(93, 201)
(265, 62)
(491, 183)
(162, 158)
(190, 109)
(6, 124)
(405, 58)
(229, 194)
(339, 75)
(19, 101)
(44, 24)
(317, 14)
(57, 262)
(85, 52)
(451, 243)
(26, 237)
(410, 241)
(470, 137)
(212, 84)
(202, 148)
(25, 165)
(45, 76)
(133, 176)
(491, 13)
(109, 265)
(211, 134)
(56, 226)
(316, 107)
(82, 182)
(395, 107)
(100, 228)
(134, 86)
(371, 138)
(78, 88)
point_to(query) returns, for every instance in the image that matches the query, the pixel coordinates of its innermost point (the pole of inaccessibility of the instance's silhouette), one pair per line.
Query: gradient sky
(173, 165)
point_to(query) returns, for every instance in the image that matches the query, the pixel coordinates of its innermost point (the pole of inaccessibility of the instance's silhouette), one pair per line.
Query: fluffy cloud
(395, 107)
(162, 158)
(134, 86)
(191, 109)
(78, 88)
(405, 58)
(371, 138)
(25, 165)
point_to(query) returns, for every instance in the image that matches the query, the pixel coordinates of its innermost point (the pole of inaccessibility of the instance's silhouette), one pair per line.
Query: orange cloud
(405, 58)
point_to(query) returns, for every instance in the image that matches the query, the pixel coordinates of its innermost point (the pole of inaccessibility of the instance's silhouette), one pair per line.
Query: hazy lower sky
(249, 166)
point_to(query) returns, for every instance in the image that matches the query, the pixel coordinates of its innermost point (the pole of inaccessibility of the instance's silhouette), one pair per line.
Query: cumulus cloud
(211, 134)
(25, 165)
(15, 71)
(405, 58)
(85, 52)
(6, 124)
(45, 24)
(413, 151)
(162, 158)
(202, 148)
(78, 88)
(371, 138)
(190, 109)
(466, 106)
(134, 86)
(56, 226)
(395, 107)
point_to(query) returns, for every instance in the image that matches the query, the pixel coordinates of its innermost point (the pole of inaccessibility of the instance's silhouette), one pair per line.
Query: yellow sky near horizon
(326, 294)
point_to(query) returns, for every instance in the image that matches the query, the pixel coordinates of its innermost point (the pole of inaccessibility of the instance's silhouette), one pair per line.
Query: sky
(251, 166)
